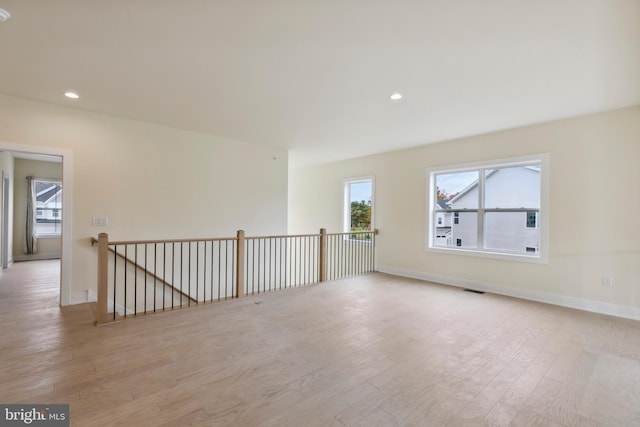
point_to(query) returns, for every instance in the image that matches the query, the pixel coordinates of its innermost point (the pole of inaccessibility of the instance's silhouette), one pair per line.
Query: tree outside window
(358, 196)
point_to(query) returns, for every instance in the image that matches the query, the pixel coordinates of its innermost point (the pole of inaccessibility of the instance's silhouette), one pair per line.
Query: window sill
(535, 259)
(48, 236)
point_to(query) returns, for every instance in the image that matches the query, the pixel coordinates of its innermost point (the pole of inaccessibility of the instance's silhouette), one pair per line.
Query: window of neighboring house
(48, 207)
(497, 208)
(532, 219)
(358, 207)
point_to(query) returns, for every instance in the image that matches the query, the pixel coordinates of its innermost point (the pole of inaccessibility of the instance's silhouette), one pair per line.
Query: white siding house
(48, 207)
(505, 188)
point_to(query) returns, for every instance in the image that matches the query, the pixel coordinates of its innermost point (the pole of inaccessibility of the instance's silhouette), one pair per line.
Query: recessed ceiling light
(4, 15)
(396, 97)
(71, 95)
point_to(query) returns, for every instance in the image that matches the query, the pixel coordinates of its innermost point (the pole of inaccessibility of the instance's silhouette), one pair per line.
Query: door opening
(5, 221)
(14, 243)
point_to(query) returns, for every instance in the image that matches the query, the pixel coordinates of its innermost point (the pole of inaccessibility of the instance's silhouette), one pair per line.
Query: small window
(456, 218)
(48, 207)
(358, 208)
(529, 249)
(532, 219)
(459, 242)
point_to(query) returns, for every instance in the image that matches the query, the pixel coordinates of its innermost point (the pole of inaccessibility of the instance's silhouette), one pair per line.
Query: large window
(358, 206)
(491, 209)
(48, 207)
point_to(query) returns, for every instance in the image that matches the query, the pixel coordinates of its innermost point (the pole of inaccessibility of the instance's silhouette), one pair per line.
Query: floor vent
(474, 291)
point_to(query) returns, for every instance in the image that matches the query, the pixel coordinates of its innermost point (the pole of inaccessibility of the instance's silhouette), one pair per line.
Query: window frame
(346, 206)
(542, 223)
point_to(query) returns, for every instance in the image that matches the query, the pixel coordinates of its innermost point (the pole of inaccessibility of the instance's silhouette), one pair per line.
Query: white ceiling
(316, 76)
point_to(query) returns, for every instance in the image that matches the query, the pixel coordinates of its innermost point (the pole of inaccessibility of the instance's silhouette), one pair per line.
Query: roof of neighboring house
(471, 186)
(474, 184)
(48, 193)
(444, 204)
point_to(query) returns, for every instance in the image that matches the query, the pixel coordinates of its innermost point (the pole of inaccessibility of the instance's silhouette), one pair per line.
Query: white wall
(151, 181)
(594, 176)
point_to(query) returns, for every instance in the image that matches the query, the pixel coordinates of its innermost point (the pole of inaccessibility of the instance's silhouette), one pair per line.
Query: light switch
(100, 221)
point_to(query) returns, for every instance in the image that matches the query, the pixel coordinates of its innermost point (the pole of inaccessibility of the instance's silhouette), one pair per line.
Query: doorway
(63, 157)
(4, 249)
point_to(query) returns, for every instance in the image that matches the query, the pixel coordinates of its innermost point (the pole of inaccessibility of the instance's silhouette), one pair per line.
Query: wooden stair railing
(104, 316)
(154, 276)
(308, 258)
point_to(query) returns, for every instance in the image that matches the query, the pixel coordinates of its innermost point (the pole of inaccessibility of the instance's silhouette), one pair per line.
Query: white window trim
(346, 204)
(541, 257)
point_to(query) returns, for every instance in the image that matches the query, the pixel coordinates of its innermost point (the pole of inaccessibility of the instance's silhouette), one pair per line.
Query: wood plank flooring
(375, 350)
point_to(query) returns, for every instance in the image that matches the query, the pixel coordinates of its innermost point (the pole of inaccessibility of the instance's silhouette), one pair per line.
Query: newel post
(103, 277)
(323, 255)
(240, 265)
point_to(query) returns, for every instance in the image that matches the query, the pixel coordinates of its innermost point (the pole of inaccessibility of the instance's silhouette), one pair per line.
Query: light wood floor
(370, 351)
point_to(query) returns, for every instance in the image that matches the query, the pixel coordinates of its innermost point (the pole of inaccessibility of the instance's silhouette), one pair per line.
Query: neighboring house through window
(489, 209)
(48, 207)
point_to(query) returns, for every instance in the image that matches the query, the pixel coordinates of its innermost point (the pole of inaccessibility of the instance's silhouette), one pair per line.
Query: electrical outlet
(607, 281)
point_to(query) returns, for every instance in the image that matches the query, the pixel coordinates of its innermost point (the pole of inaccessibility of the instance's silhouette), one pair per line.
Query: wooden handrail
(94, 241)
(148, 242)
(281, 237)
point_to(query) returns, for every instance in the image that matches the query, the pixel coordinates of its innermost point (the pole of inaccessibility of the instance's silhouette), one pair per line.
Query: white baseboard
(78, 298)
(37, 257)
(91, 296)
(624, 311)
(119, 308)
(82, 297)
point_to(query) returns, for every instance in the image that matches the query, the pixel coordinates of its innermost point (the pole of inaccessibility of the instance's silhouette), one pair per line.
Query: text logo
(34, 415)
